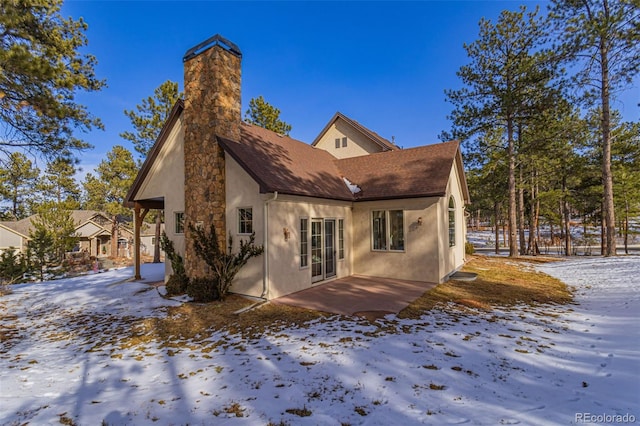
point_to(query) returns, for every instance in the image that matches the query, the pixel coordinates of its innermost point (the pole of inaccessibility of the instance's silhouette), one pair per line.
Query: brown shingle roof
(408, 173)
(280, 163)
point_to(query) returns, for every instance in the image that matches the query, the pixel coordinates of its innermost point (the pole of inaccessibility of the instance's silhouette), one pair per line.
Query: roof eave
(401, 197)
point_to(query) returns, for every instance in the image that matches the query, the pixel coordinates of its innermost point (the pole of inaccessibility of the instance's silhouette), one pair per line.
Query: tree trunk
(626, 226)
(607, 176)
(512, 220)
(534, 210)
(496, 213)
(521, 216)
(114, 236)
(566, 218)
(156, 246)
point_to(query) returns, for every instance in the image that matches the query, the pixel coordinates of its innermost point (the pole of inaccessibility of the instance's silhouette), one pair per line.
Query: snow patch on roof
(352, 187)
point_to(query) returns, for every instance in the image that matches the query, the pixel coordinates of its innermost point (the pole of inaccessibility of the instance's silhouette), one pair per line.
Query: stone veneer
(212, 107)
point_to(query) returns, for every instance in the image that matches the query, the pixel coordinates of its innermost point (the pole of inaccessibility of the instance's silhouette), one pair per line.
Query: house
(350, 203)
(93, 228)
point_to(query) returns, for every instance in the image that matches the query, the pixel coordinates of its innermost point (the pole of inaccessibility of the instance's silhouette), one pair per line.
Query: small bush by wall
(203, 290)
(468, 248)
(176, 285)
(178, 281)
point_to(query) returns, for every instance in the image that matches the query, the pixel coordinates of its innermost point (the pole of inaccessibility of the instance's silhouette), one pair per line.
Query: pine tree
(107, 191)
(40, 249)
(18, 178)
(625, 165)
(150, 116)
(506, 83)
(58, 222)
(602, 38)
(12, 266)
(58, 183)
(263, 114)
(114, 176)
(148, 121)
(42, 70)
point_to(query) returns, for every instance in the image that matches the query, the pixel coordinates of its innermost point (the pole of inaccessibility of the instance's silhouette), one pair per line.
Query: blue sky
(384, 64)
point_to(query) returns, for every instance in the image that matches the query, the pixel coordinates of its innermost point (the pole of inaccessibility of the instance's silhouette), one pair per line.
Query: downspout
(265, 276)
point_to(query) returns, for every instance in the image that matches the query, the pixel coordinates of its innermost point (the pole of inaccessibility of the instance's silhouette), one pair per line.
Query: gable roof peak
(384, 143)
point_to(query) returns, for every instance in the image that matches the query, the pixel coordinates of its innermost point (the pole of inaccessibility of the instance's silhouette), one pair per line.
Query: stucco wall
(453, 257)
(419, 260)
(242, 192)
(166, 179)
(88, 229)
(285, 274)
(357, 144)
(10, 239)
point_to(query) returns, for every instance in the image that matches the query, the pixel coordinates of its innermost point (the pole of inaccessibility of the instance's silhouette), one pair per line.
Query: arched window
(452, 222)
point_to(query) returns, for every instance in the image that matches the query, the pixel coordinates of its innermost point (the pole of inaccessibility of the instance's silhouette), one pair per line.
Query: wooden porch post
(138, 217)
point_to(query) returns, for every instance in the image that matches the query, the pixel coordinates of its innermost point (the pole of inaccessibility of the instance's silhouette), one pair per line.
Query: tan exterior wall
(11, 239)
(242, 192)
(283, 255)
(357, 144)
(88, 229)
(453, 257)
(285, 274)
(419, 260)
(166, 179)
(427, 255)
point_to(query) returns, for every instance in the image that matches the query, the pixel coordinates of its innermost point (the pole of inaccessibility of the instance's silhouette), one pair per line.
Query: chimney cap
(213, 41)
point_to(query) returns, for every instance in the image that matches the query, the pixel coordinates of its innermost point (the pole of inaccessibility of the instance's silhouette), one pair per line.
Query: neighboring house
(14, 234)
(93, 229)
(148, 239)
(350, 203)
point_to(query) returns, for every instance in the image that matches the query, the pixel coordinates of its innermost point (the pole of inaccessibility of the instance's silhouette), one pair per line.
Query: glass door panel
(329, 248)
(316, 251)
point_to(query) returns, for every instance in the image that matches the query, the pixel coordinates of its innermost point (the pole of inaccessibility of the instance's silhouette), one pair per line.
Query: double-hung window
(178, 218)
(387, 230)
(245, 220)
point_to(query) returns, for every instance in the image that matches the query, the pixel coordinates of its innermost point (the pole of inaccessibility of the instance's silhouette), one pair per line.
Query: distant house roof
(280, 163)
(79, 217)
(21, 227)
(385, 144)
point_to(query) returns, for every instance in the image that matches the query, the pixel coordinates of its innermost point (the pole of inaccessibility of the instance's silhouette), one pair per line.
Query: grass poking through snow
(501, 282)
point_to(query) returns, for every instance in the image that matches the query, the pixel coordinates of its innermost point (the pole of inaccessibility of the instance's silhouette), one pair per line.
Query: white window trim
(451, 210)
(388, 230)
(238, 220)
(344, 239)
(308, 265)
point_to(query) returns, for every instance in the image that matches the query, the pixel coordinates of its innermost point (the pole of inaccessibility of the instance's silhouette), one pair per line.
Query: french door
(323, 249)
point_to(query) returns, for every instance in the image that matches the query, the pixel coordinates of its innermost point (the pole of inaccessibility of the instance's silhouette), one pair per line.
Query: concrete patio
(371, 297)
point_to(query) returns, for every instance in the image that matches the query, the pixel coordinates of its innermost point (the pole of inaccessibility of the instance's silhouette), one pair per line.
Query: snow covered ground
(539, 365)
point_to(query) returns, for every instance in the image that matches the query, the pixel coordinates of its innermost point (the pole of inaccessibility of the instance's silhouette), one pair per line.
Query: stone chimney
(212, 108)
